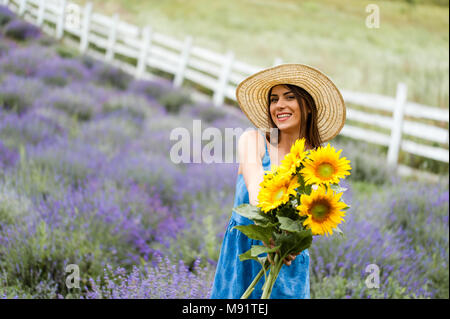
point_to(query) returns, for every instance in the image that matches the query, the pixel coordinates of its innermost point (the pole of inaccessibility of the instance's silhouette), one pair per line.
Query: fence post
(61, 20)
(84, 39)
(219, 92)
(112, 38)
(143, 54)
(41, 11)
(397, 128)
(22, 7)
(179, 76)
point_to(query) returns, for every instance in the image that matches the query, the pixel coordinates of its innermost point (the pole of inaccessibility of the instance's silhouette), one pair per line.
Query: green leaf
(303, 189)
(300, 180)
(257, 250)
(293, 243)
(248, 256)
(256, 232)
(308, 189)
(253, 213)
(246, 210)
(339, 231)
(336, 188)
(287, 211)
(290, 225)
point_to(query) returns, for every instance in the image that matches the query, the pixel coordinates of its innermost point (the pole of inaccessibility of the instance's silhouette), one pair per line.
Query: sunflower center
(325, 170)
(320, 210)
(279, 194)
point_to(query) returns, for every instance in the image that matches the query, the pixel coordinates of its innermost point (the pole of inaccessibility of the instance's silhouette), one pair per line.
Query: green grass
(411, 44)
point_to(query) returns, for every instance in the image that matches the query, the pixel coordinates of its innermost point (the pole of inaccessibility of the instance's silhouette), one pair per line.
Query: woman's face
(284, 108)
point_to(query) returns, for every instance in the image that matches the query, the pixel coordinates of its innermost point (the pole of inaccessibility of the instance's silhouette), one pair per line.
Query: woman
(294, 101)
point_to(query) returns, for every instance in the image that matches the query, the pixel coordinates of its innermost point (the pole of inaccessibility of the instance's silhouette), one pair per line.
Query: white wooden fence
(109, 37)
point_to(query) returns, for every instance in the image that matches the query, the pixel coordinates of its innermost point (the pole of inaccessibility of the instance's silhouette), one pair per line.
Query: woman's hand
(287, 260)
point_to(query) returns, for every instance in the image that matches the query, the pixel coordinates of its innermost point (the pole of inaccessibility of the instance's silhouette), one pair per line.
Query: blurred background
(90, 92)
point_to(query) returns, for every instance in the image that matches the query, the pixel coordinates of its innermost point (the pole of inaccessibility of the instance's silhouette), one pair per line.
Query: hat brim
(252, 96)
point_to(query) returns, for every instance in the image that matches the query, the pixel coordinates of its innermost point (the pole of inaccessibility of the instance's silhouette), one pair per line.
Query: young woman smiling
(294, 101)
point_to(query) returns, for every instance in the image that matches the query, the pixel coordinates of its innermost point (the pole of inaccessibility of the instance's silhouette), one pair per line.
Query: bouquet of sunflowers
(299, 199)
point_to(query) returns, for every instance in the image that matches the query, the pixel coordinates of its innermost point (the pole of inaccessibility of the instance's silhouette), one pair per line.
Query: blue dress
(234, 276)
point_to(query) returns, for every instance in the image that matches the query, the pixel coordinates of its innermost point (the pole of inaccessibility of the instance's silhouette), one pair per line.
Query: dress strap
(266, 158)
(265, 144)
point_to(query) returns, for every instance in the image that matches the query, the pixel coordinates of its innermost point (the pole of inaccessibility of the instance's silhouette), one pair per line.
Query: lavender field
(86, 179)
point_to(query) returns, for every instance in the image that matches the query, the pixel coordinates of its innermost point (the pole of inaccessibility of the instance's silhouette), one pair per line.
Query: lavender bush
(30, 128)
(18, 93)
(164, 280)
(8, 157)
(107, 75)
(4, 47)
(25, 60)
(404, 234)
(60, 72)
(6, 15)
(136, 105)
(73, 100)
(21, 30)
(163, 91)
(153, 89)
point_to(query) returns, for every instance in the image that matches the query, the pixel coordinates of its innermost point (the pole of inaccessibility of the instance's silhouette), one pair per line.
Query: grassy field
(411, 44)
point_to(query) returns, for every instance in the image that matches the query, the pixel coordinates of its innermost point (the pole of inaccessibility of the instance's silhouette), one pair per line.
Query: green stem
(250, 288)
(252, 285)
(274, 271)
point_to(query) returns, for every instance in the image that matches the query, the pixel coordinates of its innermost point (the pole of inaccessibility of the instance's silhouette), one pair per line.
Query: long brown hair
(308, 111)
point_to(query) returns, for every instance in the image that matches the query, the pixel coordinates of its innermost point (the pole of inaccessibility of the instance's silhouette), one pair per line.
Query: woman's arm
(250, 151)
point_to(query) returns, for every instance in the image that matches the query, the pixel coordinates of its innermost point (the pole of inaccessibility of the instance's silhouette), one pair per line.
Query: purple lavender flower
(152, 89)
(18, 93)
(61, 71)
(8, 157)
(107, 75)
(25, 61)
(134, 104)
(164, 280)
(31, 128)
(72, 100)
(6, 15)
(21, 30)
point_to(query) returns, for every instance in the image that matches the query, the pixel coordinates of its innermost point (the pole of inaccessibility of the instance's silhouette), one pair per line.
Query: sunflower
(323, 166)
(294, 158)
(275, 190)
(268, 175)
(323, 210)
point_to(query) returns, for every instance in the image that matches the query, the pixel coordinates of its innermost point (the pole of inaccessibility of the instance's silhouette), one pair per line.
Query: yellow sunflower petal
(323, 210)
(323, 166)
(277, 191)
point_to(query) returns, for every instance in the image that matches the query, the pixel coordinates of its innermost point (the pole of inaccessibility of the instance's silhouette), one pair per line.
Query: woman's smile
(283, 116)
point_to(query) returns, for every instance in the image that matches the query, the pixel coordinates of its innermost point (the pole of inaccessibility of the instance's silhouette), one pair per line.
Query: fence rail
(221, 73)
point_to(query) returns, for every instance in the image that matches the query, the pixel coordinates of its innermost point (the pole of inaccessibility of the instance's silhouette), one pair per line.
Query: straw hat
(252, 96)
